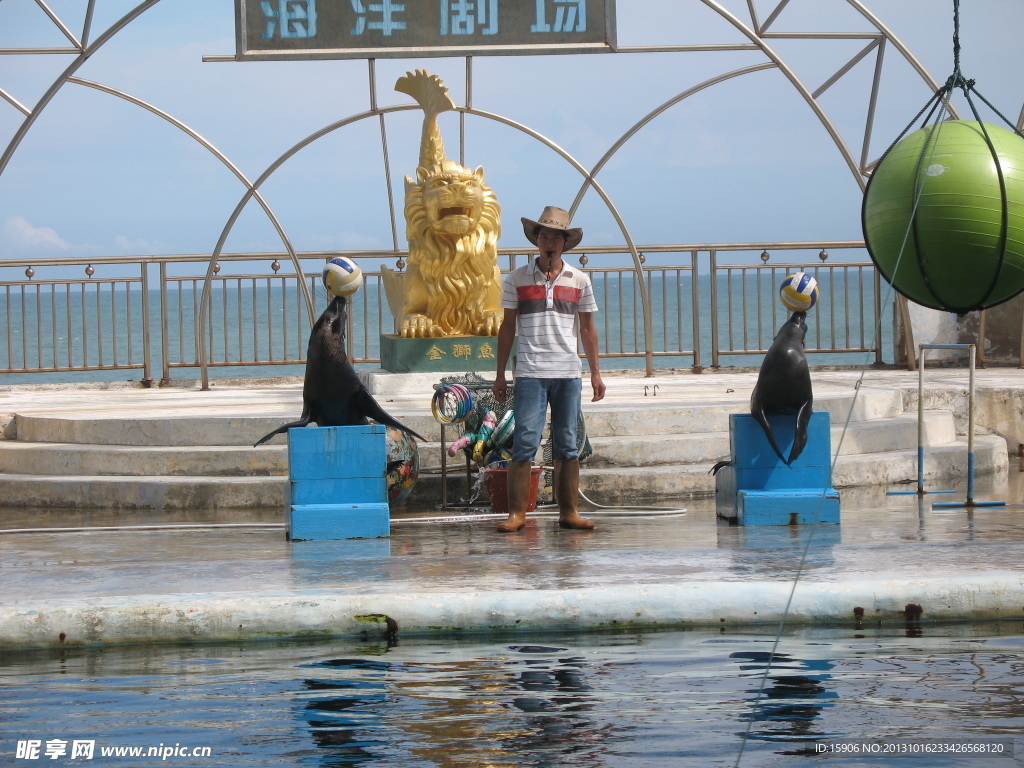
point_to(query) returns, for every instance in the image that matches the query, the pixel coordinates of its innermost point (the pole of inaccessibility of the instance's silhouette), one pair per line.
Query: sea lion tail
(302, 422)
(370, 408)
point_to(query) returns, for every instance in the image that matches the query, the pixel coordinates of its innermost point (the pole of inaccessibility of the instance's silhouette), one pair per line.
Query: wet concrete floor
(895, 537)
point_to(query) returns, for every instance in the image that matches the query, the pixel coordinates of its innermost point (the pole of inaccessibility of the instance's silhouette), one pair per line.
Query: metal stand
(920, 419)
(970, 502)
(476, 385)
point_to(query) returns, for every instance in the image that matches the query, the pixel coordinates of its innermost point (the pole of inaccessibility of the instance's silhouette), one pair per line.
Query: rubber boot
(567, 492)
(518, 478)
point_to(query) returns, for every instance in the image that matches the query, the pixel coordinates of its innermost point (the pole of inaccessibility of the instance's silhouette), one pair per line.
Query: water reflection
(343, 713)
(788, 703)
(557, 702)
(530, 703)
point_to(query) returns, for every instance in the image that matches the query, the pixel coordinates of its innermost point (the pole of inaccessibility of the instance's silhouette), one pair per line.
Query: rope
(938, 100)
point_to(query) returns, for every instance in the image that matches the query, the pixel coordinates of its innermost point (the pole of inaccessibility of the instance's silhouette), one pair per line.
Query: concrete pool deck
(223, 584)
(893, 559)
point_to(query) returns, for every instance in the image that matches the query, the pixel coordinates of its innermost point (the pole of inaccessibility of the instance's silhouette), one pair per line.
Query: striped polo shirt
(547, 319)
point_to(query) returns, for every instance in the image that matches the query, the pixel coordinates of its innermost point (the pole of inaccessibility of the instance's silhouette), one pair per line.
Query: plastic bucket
(497, 485)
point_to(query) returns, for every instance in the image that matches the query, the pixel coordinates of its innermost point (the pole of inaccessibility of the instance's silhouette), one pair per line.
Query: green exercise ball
(960, 252)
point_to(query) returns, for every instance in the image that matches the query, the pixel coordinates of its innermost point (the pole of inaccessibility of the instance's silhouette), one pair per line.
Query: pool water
(591, 700)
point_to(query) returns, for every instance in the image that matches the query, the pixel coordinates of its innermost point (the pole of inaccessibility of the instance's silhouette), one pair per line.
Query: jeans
(532, 397)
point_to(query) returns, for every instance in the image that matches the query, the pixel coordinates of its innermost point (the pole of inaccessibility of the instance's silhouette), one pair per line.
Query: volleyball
(799, 292)
(342, 276)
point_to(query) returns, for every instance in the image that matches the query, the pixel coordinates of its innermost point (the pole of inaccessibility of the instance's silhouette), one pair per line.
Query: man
(543, 300)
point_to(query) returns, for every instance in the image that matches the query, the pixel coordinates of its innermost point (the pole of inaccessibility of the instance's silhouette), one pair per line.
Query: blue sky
(743, 161)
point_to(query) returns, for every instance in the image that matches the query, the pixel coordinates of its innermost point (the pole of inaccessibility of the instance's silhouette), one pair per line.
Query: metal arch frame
(655, 113)
(758, 33)
(84, 51)
(225, 160)
(380, 112)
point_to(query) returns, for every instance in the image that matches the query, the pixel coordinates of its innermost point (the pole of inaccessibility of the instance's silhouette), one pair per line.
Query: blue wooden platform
(758, 488)
(337, 488)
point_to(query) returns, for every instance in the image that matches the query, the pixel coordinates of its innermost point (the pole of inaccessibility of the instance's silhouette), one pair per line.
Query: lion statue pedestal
(456, 354)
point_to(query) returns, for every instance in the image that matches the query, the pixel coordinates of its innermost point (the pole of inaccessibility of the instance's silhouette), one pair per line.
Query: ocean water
(943, 696)
(258, 327)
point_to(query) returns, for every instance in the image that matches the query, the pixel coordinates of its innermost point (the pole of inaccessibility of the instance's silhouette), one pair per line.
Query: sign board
(365, 29)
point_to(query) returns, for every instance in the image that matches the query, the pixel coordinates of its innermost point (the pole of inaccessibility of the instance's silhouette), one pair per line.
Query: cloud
(126, 245)
(23, 235)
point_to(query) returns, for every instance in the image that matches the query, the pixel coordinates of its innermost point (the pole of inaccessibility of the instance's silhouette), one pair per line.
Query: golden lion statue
(452, 286)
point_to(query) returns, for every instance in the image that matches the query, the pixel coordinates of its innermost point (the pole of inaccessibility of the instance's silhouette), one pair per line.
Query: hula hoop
(451, 404)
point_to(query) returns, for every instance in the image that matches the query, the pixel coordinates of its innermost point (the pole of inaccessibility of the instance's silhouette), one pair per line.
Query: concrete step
(663, 415)
(21, 457)
(664, 482)
(679, 481)
(125, 492)
(894, 433)
(884, 467)
(18, 457)
(947, 462)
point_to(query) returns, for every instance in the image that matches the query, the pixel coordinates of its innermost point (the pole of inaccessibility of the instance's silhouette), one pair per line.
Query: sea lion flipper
(760, 418)
(370, 408)
(302, 422)
(803, 419)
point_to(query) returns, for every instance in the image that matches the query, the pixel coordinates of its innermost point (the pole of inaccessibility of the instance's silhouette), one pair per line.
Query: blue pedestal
(336, 486)
(757, 488)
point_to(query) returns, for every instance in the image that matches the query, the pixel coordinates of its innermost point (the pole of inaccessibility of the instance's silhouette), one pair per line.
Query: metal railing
(106, 321)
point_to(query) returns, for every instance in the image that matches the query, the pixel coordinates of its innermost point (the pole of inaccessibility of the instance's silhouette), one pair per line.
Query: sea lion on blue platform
(332, 394)
(784, 384)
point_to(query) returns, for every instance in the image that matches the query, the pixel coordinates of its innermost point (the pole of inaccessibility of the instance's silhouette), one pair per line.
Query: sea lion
(784, 384)
(333, 395)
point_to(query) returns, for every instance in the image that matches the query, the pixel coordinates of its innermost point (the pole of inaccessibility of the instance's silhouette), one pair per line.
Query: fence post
(714, 308)
(147, 372)
(695, 309)
(165, 345)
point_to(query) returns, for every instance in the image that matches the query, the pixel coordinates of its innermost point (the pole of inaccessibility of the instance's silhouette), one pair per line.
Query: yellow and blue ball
(799, 292)
(342, 276)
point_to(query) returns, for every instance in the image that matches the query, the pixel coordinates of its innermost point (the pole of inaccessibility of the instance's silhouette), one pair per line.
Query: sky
(743, 161)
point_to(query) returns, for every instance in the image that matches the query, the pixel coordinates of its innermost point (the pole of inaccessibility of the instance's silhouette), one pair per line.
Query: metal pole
(970, 432)
(970, 429)
(920, 421)
(920, 417)
(444, 470)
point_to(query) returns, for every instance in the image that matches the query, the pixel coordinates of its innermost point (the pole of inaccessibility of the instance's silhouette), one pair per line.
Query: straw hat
(553, 218)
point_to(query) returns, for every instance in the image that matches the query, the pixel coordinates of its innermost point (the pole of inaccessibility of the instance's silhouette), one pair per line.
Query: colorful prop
(466, 441)
(498, 458)
(502, 434)
(342, 276)
(799, 292)
(943, 216)
(482, 435)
